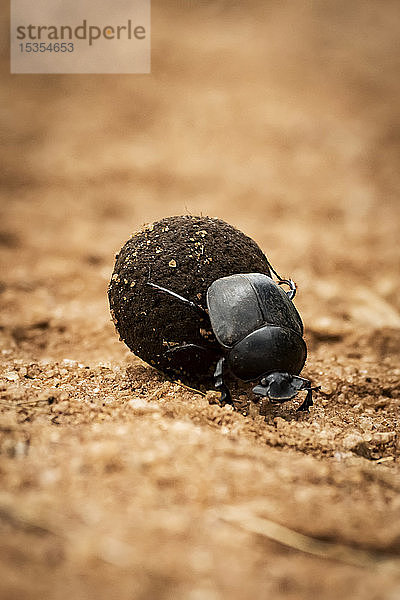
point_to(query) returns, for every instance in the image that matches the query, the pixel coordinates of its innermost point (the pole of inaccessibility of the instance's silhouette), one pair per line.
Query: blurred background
(280, 117)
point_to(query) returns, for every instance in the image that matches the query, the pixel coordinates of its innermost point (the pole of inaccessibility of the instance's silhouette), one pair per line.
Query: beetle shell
(238, 305)
(268, 349)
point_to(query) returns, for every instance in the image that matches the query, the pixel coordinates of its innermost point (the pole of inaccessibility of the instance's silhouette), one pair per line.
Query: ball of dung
(183, 254)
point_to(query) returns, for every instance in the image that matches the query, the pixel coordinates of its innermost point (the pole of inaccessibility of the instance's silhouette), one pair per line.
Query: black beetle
(260, 334)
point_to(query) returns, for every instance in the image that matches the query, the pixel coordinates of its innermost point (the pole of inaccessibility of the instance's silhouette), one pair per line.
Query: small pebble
(383, 437)
(141, 406)
(12, 376)
(351, 440)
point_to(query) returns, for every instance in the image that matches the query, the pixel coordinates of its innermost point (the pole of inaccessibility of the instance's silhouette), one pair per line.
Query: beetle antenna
(179, 297)
(274, 272)
(293, 287)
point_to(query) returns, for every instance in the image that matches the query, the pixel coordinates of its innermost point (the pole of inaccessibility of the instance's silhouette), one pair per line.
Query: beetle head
(280, 386)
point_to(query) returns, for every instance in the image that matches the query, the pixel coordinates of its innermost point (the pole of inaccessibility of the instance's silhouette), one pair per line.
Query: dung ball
(183, 254)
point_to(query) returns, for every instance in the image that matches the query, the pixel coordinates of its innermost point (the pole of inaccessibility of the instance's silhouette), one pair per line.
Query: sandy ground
(282, 119)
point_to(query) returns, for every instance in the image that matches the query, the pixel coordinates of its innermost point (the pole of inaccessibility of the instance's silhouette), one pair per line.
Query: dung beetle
(260, 334)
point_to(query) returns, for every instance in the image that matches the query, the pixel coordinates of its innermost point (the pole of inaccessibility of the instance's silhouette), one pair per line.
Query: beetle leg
(190, 358)
(184, 347)
(179, 297)
(308, 400)
(293, 288)
(219, 383)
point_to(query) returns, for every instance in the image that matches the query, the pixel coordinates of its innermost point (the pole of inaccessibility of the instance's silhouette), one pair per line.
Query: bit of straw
(331, 550)
(177, 381)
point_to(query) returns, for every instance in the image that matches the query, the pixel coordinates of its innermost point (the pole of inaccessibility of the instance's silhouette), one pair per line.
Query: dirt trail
(114, 482)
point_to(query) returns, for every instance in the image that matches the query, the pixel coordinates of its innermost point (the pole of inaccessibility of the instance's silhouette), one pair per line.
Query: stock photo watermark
(86, 36)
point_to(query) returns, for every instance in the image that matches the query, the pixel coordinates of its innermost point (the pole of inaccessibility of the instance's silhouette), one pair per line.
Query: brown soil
(282, 119)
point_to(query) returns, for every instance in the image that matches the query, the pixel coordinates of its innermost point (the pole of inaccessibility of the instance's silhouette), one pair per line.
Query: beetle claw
(308, 402)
